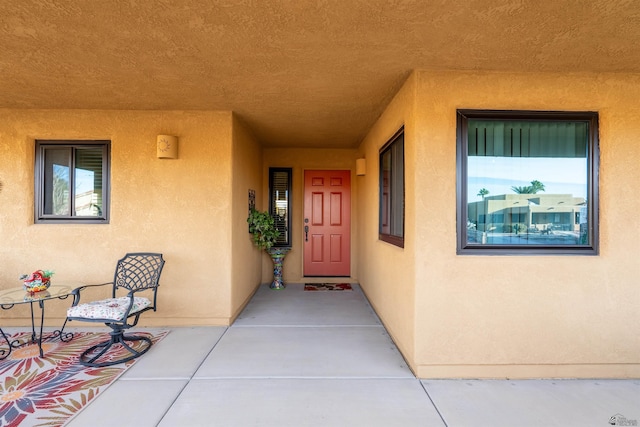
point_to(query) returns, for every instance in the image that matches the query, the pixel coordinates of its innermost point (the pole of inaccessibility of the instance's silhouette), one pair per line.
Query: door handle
(306, 230)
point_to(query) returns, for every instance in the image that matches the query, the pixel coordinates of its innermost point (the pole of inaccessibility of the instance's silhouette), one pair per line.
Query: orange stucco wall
(387, 272)
(246, 263)
(507, 316)
(181, 208)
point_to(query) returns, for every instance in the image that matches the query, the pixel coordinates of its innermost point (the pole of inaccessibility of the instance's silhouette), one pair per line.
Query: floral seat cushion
(108, 309)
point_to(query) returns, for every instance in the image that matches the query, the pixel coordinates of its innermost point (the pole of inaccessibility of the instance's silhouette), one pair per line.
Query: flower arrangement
(37, 281)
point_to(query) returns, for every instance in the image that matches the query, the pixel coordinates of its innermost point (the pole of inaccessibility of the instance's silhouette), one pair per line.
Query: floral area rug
(51, 390)
(327, 287)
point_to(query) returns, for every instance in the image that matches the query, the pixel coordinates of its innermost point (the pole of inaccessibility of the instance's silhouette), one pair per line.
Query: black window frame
(593, 165)
(391, 237)
(284, 226)
(40, 217)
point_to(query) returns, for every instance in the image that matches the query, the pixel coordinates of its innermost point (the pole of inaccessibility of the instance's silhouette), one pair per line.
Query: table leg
(5, 353)
(64, 337)
(33, 324)
(41, 303)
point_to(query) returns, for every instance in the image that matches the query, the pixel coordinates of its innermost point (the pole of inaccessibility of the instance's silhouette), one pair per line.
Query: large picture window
(527, 182)
(72, 181)
(391, 220)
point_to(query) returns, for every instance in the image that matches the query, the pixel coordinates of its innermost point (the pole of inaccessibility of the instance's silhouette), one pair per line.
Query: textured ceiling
(300, 72)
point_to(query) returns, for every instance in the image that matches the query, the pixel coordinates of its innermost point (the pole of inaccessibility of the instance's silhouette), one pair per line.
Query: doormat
(327, 287)
(51, 390)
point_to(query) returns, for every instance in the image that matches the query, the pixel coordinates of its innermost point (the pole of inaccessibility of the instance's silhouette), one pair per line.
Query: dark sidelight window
(527, 182)
(72, 181)
(391, 219)
(280, 203)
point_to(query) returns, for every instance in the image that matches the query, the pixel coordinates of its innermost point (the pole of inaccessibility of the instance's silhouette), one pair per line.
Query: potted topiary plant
(265, 235)
(263, 228)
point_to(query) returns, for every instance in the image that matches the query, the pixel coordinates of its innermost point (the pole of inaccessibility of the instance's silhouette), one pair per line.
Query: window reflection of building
(536, 215)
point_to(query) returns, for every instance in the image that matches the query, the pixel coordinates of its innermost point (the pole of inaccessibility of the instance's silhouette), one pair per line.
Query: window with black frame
(527, 182)
(391, 216)
(72, 181)
(280, 203)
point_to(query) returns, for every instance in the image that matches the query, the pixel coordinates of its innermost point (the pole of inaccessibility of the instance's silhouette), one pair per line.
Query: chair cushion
(109, 309)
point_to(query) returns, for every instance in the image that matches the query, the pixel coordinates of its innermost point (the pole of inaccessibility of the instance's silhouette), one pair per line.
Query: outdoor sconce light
(167, 147)
(361, 167)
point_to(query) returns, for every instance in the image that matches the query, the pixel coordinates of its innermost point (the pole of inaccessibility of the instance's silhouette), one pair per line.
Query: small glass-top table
(14, 296)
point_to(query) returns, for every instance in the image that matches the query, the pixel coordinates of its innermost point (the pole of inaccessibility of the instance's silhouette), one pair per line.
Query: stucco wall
(386, 271)
(246, 265)
(504, 316)
(527, 316)
(181, 208)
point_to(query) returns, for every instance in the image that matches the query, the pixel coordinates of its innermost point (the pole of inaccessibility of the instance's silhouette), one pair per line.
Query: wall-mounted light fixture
(361, 167)
(167, 147)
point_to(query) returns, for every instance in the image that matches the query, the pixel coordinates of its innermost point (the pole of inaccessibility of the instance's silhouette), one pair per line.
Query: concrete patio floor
(296, 358)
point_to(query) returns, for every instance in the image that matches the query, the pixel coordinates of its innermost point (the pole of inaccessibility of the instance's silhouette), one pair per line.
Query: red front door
(327, 223)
